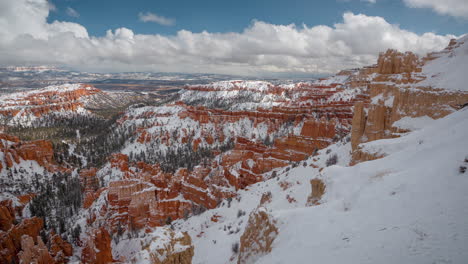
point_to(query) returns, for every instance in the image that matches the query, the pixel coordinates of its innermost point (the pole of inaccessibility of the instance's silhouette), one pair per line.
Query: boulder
(318, 189)
(258, 236)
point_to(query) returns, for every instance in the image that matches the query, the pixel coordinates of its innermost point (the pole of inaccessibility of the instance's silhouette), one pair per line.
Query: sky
(255, 38)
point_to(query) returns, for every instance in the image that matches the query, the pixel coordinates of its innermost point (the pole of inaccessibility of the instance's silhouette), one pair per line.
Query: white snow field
(449, 70)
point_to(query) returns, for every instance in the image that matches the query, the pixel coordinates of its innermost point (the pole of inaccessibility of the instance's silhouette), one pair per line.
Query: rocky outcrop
(34, 252)
(395, 93)
(170, 247)
(90, 183)
(7, 215)
(11, 241)
(150, 197)
(97, 248)
(60, 249)
(318, 189)
(258, 236)
(395, 62)
(15, 150)
(18, 159)
(21, 243)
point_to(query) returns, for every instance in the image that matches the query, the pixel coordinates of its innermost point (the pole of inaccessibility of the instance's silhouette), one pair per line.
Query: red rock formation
(34, 252)
(97, 249)
(394, 62)
(147, 197)
(10, 241)
(44, 101)
(21, 242)
(394, 94)
(15, 150)
(60, 249)
(90, 184)
(7, 215)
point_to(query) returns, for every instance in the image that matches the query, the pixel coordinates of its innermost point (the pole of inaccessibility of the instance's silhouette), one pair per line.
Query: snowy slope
(393, 210)
(449, 70)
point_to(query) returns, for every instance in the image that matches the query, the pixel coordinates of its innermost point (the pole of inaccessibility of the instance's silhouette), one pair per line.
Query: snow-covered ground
(408, 207)
(449, 70)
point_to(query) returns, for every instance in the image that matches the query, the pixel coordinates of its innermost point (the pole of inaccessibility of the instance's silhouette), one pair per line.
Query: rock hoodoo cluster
(396, 93)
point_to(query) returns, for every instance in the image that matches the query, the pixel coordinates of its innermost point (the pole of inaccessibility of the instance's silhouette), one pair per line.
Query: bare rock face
(97, 248)
(358, 125)
(318, 189)
(21, 243)
(60, 249)
(394, 62)
(11, 241)
(7, 215)
(90, 184)
(14, 150)
(171, 248)
(258, 236)
(34, 252)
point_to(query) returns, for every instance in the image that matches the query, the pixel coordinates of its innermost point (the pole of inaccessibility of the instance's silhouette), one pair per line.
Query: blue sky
(234, 16)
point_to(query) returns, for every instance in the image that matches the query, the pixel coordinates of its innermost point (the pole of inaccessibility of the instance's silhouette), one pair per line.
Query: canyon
(223, 166)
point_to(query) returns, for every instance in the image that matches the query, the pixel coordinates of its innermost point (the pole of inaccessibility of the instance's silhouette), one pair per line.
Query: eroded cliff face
(97, 248)
(14, 151)
(21, 242)
(25, 165)
(23, 108)
(399, 89)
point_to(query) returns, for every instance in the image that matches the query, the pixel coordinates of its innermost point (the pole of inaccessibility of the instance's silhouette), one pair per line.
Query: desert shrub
(462, 169)
(332, 160)
(240, 213)
(235, 248)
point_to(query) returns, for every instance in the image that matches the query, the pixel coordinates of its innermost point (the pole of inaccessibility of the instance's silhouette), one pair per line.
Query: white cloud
(457, 8)
(260, 49)
(72, 12)
(150, 17)
(52, 6)
(370, 1)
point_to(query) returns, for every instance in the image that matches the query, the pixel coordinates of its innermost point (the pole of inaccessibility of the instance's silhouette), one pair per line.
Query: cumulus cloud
(72, 12)
(150, 17)
(260, 49)
(457, 8)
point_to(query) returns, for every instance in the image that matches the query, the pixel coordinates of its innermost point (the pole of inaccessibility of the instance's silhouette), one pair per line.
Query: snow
(412, 123)
(339, 79)
(52, 88)
(449, 71)
(392, 210)
(345, 95)
(388, 100)
(21, 101)
(234, 84)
